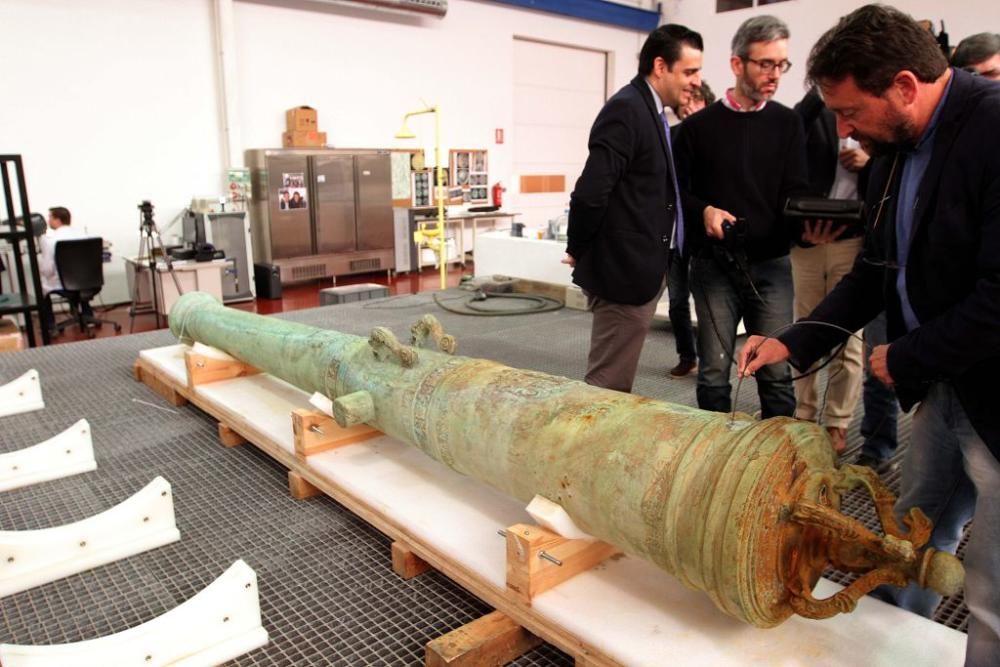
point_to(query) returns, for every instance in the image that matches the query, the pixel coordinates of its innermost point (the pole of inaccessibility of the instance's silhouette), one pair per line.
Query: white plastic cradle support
(30, 558)
(69, 453)
(216, 625)
(21, 395)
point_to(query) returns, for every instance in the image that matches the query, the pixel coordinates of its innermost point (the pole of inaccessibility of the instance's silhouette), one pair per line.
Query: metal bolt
(502, 533)
(316, 429)
(552, 559)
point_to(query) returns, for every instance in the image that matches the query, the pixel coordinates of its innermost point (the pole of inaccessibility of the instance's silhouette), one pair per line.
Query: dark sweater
(747, 163)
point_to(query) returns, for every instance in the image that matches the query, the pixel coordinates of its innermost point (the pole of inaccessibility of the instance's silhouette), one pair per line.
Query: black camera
(147, 212)
(734, 233)
(730, 252)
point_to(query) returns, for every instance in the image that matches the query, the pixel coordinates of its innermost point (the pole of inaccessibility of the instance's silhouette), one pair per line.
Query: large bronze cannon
(746, 511)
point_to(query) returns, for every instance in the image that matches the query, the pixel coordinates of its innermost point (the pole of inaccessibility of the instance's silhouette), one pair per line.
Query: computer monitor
(38, 223)
(193, 232)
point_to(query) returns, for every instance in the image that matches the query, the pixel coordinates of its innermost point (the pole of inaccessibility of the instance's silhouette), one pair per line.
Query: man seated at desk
(60, 229)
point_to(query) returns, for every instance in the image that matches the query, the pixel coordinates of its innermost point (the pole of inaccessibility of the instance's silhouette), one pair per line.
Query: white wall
(110, 102)
(115, 101)
(363, 70)
(807, 21)
(558, 91)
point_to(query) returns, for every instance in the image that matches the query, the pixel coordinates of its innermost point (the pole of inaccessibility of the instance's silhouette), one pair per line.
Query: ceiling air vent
(432, 7)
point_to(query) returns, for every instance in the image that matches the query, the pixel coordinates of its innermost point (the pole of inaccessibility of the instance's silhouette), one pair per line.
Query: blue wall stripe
(600, 11)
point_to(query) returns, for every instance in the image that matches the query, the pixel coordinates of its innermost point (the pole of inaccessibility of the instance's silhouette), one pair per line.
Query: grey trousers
(616, 339)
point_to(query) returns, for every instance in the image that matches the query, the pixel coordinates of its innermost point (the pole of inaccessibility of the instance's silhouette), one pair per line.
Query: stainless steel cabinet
(374, 185)
(291, 234)
(321, 212)
(336, 227)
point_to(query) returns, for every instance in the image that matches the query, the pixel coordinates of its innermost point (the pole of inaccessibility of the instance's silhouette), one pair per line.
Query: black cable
(729, 355)
(543, 304)
(377, 305)
(780, 330)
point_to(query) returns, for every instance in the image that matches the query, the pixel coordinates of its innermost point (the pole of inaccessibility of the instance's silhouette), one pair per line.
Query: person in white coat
(60, 229)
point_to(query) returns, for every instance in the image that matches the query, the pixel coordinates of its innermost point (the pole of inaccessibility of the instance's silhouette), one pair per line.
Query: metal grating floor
(328, 593)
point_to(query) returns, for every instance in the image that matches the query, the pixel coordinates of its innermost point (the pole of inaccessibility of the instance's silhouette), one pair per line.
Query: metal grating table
(328, 592)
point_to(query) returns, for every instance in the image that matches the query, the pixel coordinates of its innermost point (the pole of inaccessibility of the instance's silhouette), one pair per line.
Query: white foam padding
(218, 624)
(30, 558)
(21, 395)
(321, 403)
(211, 352)
(551, 516)
(69, 453)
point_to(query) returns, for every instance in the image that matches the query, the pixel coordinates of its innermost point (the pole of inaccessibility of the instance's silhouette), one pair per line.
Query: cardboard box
(303, 139)
(301, 119)
(10, 336)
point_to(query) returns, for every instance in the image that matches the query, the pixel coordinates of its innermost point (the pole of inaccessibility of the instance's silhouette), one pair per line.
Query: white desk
(528, 258)
(191, 276)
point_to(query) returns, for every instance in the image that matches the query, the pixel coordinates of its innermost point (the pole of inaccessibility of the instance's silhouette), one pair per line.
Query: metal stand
(150, 244)
(28, 296)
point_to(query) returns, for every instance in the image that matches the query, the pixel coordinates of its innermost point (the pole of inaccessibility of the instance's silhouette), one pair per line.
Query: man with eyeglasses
(742, 157)
(979, 55)
(931, 260)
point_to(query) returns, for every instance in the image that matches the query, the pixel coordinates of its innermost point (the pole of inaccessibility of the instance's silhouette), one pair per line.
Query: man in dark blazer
(623, 210)
(931, 260)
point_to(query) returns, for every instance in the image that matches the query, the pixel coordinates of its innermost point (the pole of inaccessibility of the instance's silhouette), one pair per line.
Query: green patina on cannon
(746, 511)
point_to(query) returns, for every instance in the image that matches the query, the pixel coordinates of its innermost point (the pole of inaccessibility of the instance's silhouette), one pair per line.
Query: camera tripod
(150, 246)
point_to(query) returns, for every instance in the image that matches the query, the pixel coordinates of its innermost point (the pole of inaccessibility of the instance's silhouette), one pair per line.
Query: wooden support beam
(405, 563)
(300, 488)
(370, 510)
(493, 639)
(229, 437)
(170, 394)
(202, 369)
(529, 573)
(316, 432)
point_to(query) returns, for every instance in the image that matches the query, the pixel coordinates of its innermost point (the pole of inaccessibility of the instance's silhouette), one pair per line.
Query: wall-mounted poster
(293, 193)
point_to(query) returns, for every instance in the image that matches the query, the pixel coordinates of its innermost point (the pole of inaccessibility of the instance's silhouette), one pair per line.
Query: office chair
(80, 264)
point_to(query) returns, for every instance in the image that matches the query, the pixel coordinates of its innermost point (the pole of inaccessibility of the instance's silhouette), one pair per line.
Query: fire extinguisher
(498, 191)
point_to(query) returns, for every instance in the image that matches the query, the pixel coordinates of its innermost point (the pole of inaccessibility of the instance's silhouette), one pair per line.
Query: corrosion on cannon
(746, 511)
